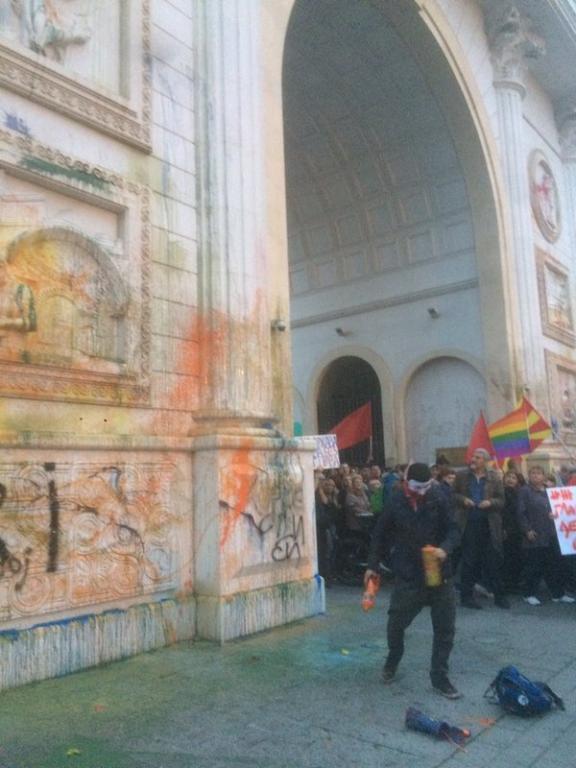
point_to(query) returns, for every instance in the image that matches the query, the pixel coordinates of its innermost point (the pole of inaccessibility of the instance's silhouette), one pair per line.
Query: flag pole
(370, 456)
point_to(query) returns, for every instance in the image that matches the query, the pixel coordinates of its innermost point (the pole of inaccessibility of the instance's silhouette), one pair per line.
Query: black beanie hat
(419, 472)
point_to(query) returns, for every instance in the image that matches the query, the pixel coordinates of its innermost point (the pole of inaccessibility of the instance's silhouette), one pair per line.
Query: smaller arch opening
(443, 400)
(347, 384)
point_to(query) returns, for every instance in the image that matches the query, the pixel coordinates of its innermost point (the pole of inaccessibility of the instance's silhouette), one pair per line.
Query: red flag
(479, 438)
(355, 428)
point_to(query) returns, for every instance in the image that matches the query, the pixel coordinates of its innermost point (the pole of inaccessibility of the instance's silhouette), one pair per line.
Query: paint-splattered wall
(98, 303)
(75, 532)
(119, 354)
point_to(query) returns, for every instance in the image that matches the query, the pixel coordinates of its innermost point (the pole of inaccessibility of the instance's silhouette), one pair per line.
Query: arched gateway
(393, 222)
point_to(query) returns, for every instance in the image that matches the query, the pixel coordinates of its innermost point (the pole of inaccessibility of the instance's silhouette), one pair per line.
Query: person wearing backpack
(543, 558)
(417, 515)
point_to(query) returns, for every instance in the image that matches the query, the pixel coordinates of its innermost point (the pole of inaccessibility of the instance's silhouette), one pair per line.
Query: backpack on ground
(521, 696)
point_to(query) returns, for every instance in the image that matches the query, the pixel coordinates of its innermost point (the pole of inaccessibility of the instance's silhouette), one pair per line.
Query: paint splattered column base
(60, 647)
(225, 618)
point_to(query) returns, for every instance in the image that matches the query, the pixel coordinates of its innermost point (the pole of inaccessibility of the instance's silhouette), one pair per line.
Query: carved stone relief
(555, 302)
(62, 301)
(513, 41)
(68, 55)
(544, 196)
(562, 388)
(74, 307)
(48, 27)
(79, 534)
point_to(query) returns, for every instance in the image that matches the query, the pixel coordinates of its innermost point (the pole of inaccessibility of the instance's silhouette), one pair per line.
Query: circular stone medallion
(544, 196)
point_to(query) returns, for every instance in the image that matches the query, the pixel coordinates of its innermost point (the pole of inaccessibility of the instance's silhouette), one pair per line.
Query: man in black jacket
(418, 515)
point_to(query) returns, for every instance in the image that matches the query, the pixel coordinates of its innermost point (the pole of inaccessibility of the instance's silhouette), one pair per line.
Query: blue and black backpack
(521, 696)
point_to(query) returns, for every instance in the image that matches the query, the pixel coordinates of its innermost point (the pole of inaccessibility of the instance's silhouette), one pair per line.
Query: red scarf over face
(415, 499)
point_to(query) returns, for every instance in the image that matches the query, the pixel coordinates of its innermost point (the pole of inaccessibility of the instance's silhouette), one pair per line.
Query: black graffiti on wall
(288, 534)
(289, 537)
(10, 565)
(54, 530)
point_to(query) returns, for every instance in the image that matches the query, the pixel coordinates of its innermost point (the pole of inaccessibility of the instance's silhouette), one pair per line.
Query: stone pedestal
(254, 535)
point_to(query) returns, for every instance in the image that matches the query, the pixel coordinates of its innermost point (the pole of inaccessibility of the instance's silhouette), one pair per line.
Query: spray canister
(370, 590)
(432, 569)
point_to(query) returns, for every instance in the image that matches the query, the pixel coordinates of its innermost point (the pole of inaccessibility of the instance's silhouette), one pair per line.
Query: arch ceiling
(374, 183)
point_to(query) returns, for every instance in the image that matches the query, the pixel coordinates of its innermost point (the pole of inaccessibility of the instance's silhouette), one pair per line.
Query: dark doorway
(347, 384)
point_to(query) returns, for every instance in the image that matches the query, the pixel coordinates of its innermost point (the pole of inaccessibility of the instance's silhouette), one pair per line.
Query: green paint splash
(43, 166)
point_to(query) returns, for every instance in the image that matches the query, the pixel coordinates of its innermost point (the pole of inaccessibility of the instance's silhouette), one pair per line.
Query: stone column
(512, 44)
(254, 531)
(567, 134)
(234, 325)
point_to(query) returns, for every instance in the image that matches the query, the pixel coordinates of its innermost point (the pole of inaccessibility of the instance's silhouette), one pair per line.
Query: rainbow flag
(518, 433)
(538, 428)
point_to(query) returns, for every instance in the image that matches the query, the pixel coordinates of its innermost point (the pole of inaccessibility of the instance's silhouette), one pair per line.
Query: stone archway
(392, 198)
(346, 384)
(444, 398)
(459, 91)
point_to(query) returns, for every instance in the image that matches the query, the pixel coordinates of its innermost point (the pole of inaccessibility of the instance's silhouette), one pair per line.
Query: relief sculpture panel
(48, 27)
(88, 59)
(62, 302)
(74, 290)
(79, 534)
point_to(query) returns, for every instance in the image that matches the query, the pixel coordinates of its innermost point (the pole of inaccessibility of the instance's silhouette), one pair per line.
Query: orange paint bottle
(370, 591)
(432, 571)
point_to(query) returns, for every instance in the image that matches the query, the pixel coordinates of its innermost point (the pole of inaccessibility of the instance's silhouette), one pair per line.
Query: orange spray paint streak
(237, 481)
(199, 336)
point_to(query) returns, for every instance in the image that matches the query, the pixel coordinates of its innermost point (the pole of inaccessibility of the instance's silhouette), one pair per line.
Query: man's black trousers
(406, 603)
(544, 562)
(480, 559)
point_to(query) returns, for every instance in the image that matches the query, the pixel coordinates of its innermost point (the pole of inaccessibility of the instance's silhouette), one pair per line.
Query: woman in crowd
(512, 535)
(357, 503)
(328, 522)
(542, 553)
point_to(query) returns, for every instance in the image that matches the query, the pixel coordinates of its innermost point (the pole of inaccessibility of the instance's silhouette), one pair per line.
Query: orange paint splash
(206, 346)
(237, 480)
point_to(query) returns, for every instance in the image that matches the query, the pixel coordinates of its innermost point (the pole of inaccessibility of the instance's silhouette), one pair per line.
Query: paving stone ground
(303, 696)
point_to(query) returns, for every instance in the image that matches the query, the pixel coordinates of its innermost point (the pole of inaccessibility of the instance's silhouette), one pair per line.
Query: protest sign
(563, 504)
(326, 453)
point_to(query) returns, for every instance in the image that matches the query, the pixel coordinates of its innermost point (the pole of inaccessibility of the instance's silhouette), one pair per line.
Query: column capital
(513, 43)
(566, 122)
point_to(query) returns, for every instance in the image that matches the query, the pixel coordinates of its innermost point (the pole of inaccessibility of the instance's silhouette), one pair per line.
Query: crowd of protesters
(508, 543)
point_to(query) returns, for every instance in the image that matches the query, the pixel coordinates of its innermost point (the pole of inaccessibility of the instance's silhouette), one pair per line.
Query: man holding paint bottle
(418, 517)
